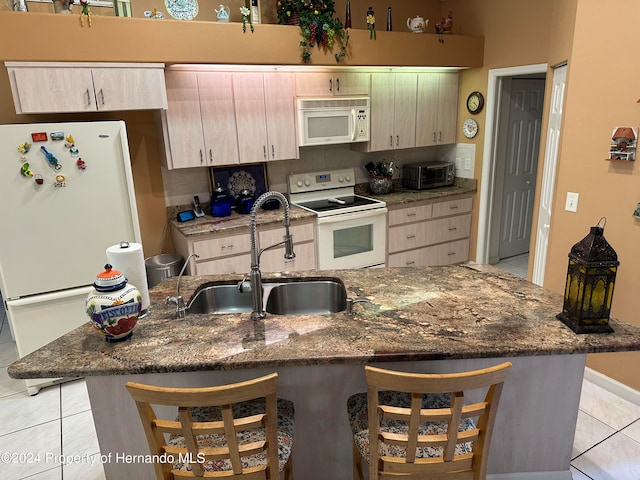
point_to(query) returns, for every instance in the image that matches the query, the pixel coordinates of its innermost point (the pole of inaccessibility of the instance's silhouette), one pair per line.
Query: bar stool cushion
(286, 425)
(359, 421)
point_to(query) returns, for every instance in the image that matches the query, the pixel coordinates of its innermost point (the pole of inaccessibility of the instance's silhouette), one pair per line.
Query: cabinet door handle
(273, 151)
(102, 96)
(201, 157)
(337, 84)
(434, 137)
(391, 140)
(331, 85)
(440, 137)
(397, 140)
(264, 151)
(210, 157)
(88, 98)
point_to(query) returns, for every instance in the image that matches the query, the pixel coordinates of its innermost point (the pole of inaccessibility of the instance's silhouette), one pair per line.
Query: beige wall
(600, 96)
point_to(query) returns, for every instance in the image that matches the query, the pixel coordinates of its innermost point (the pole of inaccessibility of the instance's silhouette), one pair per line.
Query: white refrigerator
(67, 195)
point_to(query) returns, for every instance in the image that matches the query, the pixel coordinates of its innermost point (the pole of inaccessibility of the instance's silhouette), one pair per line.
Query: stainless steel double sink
(284, 297)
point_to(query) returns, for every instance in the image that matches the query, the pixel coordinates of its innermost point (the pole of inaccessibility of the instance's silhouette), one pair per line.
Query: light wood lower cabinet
(232, 253)
(430, 233)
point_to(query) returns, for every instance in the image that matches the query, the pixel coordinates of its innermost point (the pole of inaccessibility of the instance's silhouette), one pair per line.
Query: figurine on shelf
(246, 18)
(85, 12)
(444, 26)
(371, 23)
(62, 6)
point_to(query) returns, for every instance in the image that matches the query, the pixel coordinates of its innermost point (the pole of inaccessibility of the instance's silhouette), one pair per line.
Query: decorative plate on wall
(182, 9)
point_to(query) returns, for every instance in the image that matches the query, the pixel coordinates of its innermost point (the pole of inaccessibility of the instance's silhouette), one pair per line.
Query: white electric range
(351, 229)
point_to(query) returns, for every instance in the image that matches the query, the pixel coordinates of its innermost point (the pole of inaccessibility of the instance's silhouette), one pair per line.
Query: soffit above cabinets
(206, 43)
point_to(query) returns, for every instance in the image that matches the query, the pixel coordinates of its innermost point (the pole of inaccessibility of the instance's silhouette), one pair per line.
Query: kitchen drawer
(300, 233)
(443, 254)
(273, 260)
(233, 264)
(223, 246)
(452, 207)
(409, 214)
(430, 232)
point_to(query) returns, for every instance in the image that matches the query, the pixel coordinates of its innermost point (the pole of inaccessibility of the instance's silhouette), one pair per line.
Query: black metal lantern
(591, 275)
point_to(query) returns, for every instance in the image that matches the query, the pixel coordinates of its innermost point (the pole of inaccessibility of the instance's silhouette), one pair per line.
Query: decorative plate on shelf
(234, 180)
(182, 9)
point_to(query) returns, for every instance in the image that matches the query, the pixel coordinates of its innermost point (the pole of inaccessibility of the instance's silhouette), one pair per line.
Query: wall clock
(475, 102)
(470, 128)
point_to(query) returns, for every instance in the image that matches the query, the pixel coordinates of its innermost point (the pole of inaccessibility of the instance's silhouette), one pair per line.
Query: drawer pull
(453, 207)
(224, 247)
(451, 253)
(411, 214)
(410, 263)
(409, 237)
(452, 229)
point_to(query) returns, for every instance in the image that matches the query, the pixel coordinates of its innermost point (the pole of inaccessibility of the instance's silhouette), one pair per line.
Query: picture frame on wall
(234, 179)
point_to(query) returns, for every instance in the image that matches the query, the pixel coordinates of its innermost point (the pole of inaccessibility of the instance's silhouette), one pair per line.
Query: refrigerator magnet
(53, 161)
(74, 151)
(38, 179)
(69, 141)
(39, 137)
(56, 136)
(24, 147)
(80, 163)
(61, 181)
(25, 170)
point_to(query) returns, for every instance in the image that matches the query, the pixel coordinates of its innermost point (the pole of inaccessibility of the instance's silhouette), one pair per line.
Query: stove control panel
(311, 182)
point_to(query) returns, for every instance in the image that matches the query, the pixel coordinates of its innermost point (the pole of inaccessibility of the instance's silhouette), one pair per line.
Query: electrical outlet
(458, 163)
(467, 164)
(571, 204)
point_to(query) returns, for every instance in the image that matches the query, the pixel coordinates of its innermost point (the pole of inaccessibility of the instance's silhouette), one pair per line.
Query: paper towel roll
(129, 259)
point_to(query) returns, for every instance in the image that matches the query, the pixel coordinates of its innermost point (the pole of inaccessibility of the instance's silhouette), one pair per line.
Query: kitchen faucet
(181, 309)
(255, 277)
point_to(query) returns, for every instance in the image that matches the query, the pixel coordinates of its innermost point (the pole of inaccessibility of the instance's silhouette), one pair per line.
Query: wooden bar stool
(417, 426)
(236, 431)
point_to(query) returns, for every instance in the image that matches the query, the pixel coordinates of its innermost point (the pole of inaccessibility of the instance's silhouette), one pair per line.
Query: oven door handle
(352, 216)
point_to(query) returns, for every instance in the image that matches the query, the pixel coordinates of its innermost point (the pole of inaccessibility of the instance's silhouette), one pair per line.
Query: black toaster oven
(424, 175)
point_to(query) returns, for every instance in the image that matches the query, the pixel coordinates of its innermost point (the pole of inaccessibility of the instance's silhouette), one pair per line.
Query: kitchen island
(436, 319)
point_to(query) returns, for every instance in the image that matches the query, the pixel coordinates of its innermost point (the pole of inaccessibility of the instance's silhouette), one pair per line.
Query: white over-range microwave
(325, 121)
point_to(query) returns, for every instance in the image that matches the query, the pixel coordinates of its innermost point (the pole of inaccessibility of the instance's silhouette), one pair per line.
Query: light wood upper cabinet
(199, 124)
(326, 84)
(76, 87)
(265, 116)
(438, 108)
(393, 111)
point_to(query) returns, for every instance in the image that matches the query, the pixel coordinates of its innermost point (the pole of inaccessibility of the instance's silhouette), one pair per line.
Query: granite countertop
(430, 313)
(236, 221)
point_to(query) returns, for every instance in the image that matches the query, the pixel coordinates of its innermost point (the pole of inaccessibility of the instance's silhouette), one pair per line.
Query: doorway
(506, 199)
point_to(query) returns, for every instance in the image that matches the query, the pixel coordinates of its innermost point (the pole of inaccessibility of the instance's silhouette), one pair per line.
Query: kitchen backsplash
(180, 185)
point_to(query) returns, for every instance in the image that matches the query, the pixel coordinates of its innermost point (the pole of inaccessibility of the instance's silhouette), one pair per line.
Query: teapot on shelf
(417, 24)
(222, 13)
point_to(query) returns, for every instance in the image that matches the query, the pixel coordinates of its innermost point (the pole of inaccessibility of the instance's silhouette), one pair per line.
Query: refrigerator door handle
(47, 297)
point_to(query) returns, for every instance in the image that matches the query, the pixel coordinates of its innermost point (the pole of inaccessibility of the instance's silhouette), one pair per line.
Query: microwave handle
(355, 127)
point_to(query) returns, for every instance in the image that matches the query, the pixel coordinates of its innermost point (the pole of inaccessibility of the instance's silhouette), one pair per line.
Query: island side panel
(533, 432)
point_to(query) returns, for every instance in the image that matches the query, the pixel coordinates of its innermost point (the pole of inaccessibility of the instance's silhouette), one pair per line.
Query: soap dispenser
(220, 203)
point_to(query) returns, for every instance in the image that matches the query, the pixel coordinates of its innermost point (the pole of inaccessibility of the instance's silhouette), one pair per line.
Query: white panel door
(524, 123)
(549, 174)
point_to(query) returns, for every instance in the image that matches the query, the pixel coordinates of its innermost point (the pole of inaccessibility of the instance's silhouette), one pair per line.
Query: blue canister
(220, 203)
(244, 203)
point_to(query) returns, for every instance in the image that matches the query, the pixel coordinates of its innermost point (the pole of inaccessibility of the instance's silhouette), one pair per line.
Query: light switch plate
(571, 204)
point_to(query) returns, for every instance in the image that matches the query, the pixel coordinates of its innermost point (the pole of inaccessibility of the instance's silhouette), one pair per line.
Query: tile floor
(53, 432)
